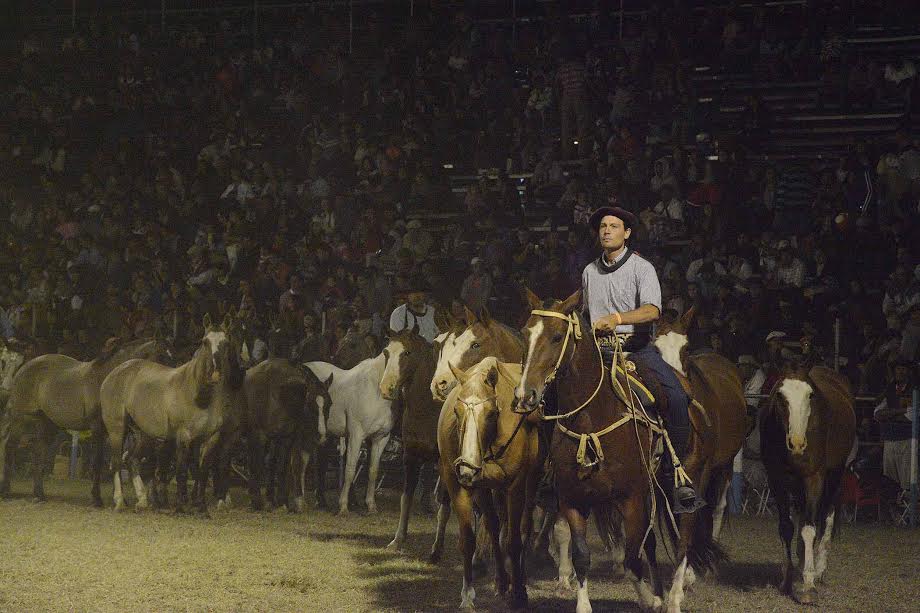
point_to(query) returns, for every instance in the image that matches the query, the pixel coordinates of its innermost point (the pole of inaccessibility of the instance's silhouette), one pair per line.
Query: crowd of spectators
(151, 176)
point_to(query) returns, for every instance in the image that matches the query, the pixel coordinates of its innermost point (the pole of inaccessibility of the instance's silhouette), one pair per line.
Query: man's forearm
(643, 315)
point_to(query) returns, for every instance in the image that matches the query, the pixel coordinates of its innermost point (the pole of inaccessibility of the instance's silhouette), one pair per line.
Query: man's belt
(608, 340)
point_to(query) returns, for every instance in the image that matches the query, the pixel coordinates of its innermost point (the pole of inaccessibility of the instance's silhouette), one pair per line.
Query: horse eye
(475, 345)
(557, 338)
(407, 353)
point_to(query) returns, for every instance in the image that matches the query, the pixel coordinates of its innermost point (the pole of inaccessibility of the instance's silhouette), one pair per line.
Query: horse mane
(105, 356)
(515, 334)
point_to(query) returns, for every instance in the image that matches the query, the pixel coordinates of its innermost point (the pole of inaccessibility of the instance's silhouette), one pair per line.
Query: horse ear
(687, 318)
(492, 377)
(484, 315)
(533, 301)
(206, 322)
(571, 303)
(470, 316)
(458, 374)
(227, 323)
(328, 381)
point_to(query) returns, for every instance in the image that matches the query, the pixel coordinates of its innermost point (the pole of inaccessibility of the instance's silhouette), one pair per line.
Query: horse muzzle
(215, 376)
(467, 473)
(796, 445)
(440, 390)
(525, 401)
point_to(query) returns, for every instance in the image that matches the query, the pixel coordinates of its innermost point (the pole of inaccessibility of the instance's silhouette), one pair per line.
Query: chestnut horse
(719, 421)
(602, 452)
(807, 429)
(489, 456)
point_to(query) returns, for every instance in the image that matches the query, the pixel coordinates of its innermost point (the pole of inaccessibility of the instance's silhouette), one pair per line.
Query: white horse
(359, 412)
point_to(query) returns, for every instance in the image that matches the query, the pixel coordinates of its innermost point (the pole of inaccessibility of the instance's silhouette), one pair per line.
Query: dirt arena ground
(66, 556)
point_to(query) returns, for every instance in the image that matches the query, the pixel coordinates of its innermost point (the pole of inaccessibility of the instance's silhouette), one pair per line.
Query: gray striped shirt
(632, 285)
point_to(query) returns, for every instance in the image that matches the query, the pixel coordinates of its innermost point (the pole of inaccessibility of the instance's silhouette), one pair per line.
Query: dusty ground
(65, 555)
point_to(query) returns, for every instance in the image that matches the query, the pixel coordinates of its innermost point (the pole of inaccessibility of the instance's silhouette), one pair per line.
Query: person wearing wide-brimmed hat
(622, 296)
(415, 310)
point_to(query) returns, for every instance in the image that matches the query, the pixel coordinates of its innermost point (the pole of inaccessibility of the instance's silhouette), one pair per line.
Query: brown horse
(488, 450)
(407, 375)
(807, 429)
(599, 465)
(285, 406)
(58, 392)
(718, 432)
(201, 401)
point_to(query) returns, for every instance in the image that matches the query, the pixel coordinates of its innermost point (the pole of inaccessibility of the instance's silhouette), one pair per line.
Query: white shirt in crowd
(402, 318)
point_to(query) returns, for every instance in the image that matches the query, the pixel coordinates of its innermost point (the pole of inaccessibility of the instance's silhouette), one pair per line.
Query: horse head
(476, 410)
(550, 335)
(671, 340)
(465, 345)
(221, 344)
(792, 404)
(404, 352)
(317, 395)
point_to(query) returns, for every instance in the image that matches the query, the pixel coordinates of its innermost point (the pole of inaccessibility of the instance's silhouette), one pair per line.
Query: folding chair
(860, 493)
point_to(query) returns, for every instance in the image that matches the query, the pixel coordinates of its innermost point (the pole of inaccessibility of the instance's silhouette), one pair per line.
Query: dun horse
(58, 392)
(360, 412)
(490, 455)
(286, 407)
(719, 426)
(807, 429)
(201, 401)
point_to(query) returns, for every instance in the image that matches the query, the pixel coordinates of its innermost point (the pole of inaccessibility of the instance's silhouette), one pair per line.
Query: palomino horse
(601, 450)
(58, 392)
(410, 362)
(487, 450)
(718, 432)
(201, 401)
(285, 406)
(806, 432)
(359, 412)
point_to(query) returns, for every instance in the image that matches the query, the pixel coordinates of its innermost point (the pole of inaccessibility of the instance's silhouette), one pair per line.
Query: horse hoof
(806, 596)
(372, 510)
(564, 588)
(396, 544)
(518, 602)
(119, 507)
(97, 503)
(343, 512)
(434, 557)
(39, 499)
(140, 507)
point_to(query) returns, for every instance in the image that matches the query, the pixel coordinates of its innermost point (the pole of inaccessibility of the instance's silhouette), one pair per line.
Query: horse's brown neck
(509, 347)
(578, 377)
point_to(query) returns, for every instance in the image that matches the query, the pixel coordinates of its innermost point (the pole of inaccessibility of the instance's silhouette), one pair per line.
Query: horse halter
(469, 406)
(572, 329)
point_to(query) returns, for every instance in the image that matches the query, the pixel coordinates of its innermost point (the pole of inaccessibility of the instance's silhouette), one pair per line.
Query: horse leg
(581, 555)
(282, 470)
(719, 513)
(45, 433)
(209, 454)
(165, 453)
(828, 510)
(373, 471)
(412, 468)
(786, 530)
(256, 443)
(322, 460)
(814, 488)
(352, 453)
(300, 459)
(561, 546)
(117, 442)
(492, 524)
(519, 507)
(98, 442)
(134, 465)
(635, 523)
(687, 527)
(463, 506)
(444, 506)
(182, 456)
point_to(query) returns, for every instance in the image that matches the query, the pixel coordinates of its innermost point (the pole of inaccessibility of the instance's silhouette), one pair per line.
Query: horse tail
(609, 525)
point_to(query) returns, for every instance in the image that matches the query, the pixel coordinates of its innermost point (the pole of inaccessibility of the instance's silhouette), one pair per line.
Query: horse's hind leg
(182, 455)
(373, 471)
(7, 450)
(98, 442)
(352, 453)
(411, 470)
(280, 474)
(45, 434)
(117, 443)
(443, 498)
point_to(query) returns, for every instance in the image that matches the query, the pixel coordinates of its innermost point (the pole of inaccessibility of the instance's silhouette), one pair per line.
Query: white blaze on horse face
(798, 398)
(215, 338)
(391, 375)
(470, 451)
(453, 351)
(321, 418)
(670, 345)
(534, 333)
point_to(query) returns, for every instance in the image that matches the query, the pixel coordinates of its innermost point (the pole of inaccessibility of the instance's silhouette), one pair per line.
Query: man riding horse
(622, 297)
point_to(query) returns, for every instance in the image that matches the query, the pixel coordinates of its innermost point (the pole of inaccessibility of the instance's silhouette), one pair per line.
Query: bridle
(572, 331)
(467, 407)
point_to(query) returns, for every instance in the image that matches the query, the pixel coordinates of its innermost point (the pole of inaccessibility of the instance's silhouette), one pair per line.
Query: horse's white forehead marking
(440, 338)
(798, 396)
(396, 347)
(215, 338)
(534, 332)
(453, 352)
(320, 402)
(670, 345)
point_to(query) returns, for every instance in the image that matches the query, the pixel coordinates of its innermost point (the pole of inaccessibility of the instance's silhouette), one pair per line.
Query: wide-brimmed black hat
(629, 220)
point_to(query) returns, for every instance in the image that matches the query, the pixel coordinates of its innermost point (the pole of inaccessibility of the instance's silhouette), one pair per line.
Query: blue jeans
(677, 420)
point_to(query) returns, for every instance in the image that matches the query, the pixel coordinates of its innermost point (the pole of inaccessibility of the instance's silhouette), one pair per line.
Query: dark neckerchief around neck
(606, 269)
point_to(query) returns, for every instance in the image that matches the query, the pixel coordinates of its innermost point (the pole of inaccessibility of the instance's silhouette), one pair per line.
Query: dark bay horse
(602, 453)
(490, 456)
(807, 429)
(718, 432)
(410, 363)
(201, 401)
(56, 392)
(286, 407)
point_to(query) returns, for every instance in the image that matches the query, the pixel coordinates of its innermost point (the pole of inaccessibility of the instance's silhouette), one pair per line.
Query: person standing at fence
(894, 416)
(573, 103)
